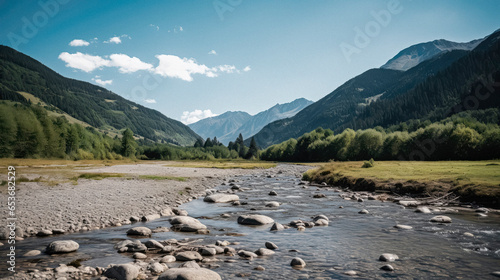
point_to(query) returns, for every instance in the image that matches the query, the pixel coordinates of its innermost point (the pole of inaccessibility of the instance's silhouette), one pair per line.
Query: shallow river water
(352, 241)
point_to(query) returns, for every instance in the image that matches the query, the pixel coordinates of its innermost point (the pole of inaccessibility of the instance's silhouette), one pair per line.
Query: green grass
(223, 164)
(23, 179)
(457, 172)
(98, 176)
(473, 180)
(155, 177)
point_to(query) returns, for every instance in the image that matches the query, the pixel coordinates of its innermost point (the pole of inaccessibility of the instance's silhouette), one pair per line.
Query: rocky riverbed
(90, 204)
(267, 224)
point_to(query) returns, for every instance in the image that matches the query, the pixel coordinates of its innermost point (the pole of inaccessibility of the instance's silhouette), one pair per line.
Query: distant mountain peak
(414, 55)
(227, 126)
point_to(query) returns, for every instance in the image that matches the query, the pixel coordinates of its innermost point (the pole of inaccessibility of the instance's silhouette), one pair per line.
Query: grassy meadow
(472, 180)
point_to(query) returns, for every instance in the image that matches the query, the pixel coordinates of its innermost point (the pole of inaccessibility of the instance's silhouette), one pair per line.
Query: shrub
(368, 164)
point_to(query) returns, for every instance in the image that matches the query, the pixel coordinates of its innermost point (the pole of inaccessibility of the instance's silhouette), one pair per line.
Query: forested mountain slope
(91, 104)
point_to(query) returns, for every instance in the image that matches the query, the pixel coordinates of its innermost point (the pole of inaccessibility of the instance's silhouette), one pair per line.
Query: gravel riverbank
(92, 204)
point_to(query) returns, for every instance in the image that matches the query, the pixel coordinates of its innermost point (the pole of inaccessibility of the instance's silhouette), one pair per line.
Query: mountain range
(227, 126)
(425, 81)
(22, 78)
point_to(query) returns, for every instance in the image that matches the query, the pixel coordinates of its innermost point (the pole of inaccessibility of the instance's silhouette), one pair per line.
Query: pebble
(32, 253)
(273, 204)
(168, 259)
(403, 227)
(364, 211)
(254, 220)
(298, 263)
(188, 256)
(264, 252)
(388, 257)
(62, 246)
(271, 246)
(387, 267)
(423, 209)
(44, 232)
(139, 256)
(351, 273)
(277, 227)
(140, 231)
(441, 219)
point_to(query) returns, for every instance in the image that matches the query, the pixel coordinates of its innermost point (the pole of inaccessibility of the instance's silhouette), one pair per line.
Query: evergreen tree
(208, 143)
(128, 144)
(198, 143)
(239, 141)
(215, 142)
(253, 150)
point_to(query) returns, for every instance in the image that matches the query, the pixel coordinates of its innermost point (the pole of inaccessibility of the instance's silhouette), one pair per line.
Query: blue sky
(197, 58)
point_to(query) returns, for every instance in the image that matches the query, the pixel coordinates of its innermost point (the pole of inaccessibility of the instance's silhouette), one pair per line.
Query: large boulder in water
(186, 224)
(255, 220)
(122, 272)
(140, 231)
(61, 247)
(188, 256)
(187, 273)
(221, 198)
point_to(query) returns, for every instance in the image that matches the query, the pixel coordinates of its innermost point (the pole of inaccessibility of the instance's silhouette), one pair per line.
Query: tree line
(463, 136)
(28, 131)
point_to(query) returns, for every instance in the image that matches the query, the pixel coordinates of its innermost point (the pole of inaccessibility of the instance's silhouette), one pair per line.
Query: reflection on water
(351, 241)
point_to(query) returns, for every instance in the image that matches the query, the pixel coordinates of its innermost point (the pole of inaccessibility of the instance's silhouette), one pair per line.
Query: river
(352, 241)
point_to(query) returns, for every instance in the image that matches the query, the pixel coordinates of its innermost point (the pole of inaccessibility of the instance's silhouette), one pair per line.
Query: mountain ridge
(227, 126)
(415, 54)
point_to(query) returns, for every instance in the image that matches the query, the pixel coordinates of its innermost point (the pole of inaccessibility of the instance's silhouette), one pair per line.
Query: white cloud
(227, 68)
(102, 82)
(155, 27)
(79, 43)
(196, 115)
(169, 65)
(127, 64)
(84, 62)
(212, 52)
(115, 40)
(89, 63)
(181, 29)
(151, 101)
(175, 67)
(247, 68)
